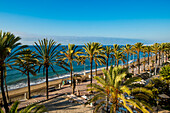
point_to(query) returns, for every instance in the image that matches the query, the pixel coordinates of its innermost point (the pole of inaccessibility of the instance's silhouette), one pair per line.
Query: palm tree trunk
(159, 59)
(91, 64)
(163, 56)
(96, 69)
(156, 58)
(107, 61)
(138, 63)
(47, 83)
(127, 60)
(28, 81)
(71, 74)
(91, 69)
(3, 92)
(6, 88)
(148, 59)
(117, 62)
(144, 60)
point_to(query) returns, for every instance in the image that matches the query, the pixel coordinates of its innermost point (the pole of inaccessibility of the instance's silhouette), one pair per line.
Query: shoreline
(40, 80)
(39, 89)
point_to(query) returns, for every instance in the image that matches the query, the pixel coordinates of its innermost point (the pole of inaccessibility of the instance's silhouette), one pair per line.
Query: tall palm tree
(127, 50)
(138, 47)
(112, 89)
(99, 59)
(91, 49)
(118, 55)
(26, 64)
(148, 50)
(144, 50)
(155, 50)
(108, 51)
(47, 53)
(71, 53)
(162, 49)
(9, 47)
(6, 87)
(116, 47)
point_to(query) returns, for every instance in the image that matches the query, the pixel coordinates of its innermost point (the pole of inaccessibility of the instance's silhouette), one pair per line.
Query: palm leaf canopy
(26, 62)
(155, 48)
(137, 47)
(127, 48)
(91, 49)
(48, 54)
(71, 52)
(108, 50)
(9, 47)
(114, 88)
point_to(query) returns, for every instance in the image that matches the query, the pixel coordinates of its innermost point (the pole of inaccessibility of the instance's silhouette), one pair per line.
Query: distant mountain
(102, 40)
(64, 40)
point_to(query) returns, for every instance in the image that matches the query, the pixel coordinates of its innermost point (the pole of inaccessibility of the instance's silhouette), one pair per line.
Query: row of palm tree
(48, 55)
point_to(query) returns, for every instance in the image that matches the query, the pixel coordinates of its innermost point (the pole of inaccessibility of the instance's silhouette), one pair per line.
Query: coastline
(39, 89)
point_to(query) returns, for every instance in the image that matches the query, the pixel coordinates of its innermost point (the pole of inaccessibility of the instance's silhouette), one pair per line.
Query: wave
(23, 83)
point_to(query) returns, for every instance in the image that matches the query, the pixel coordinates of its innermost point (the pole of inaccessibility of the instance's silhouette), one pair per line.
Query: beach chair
(74, 98)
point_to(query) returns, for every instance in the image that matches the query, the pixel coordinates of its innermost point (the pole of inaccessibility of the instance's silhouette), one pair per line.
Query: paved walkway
(66, 89)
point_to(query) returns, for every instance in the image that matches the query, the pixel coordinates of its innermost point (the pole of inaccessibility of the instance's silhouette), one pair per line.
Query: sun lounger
(84, 97)
(76, 99)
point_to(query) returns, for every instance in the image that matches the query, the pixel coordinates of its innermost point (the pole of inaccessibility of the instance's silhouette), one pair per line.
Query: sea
(15, 79)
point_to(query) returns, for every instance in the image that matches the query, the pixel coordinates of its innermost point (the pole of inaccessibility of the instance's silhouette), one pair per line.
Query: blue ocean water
(16, 79)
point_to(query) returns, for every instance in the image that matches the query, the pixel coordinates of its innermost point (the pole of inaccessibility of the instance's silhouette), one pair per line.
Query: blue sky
(136, 19)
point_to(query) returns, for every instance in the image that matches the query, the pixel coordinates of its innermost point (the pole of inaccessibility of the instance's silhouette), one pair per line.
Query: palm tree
(6, 87)
(99, 58)
(91, 49)
(108, 51)
(118, 55)
(26, 64)
(47, 53)
(155, 50)
(9, 47)
(162, 49)
(116, 47)
(167, 51)
(31, 108)
(148, 50)
(70, 53)
(112, 89)
(138, 47)
(127, 50)
(144, 50)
